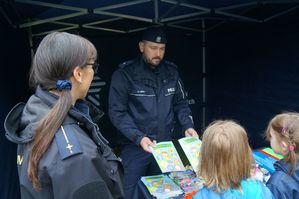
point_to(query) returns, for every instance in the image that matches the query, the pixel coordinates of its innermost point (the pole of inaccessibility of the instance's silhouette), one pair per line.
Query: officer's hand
(145, 143)
(191, 132)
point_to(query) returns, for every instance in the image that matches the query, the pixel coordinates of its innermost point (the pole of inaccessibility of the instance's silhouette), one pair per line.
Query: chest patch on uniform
(170, 91)
(20, 159)
(67, 142)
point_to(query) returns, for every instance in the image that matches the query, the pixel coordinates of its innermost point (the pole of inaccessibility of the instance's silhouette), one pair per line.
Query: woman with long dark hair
(61, 152)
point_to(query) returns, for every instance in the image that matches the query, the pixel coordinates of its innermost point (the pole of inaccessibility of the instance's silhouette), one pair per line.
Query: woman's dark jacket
(78, 163)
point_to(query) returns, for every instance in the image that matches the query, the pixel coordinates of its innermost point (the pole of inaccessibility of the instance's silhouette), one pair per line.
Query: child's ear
(284, 147)
(77, 73)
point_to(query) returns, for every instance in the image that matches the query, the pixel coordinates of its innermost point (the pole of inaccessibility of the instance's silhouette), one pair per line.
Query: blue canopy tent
(221, 90)
(125, 17)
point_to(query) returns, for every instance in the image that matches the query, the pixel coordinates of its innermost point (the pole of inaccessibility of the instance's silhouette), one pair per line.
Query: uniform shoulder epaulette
(171, 63)
(67, 142)
(126, 63)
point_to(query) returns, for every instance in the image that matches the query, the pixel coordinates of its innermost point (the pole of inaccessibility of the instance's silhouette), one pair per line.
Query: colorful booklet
(187, 180)
(161, 186)
(167, 157)
(265, 158)
(191, 147)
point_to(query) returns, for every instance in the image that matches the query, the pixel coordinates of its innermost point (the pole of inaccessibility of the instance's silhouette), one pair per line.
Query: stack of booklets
(266, 158)
(161, 186)
(177, 179)
(187, 180)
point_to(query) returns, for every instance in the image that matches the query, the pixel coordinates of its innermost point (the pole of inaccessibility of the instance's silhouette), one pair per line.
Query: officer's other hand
(145, 143)
(191, 132)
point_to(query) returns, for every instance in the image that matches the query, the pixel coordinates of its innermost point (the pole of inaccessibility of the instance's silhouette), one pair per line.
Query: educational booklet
(270, 152)
(161, 186)
(167, 157)
(265, 158)
(191, 147)
(187, 180)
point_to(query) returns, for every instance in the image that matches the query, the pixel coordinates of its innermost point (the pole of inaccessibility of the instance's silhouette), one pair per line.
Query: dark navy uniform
(144, 102)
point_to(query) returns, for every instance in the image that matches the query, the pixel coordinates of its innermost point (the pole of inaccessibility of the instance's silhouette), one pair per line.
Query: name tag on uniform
(140, 91)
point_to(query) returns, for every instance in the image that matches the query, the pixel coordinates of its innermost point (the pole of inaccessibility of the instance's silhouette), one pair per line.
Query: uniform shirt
(144, 101)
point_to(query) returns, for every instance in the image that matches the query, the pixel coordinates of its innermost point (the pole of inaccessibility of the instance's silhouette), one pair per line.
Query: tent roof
(123, 16)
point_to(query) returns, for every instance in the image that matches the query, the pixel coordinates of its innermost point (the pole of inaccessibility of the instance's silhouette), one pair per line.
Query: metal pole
(156, 11)
(30, 42)
(203, 27)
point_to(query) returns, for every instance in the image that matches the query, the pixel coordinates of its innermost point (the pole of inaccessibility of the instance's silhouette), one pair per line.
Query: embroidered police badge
(158, 39)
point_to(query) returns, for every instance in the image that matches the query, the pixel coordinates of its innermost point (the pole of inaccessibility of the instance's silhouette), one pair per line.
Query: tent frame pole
(203, 27)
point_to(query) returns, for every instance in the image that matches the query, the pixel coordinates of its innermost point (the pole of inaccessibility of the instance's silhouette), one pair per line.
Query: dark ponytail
(45, 133)
(56, 57)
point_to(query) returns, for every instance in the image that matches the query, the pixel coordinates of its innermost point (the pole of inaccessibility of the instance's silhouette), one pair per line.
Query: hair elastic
(284, 130)
(64, 85)
(291, 147)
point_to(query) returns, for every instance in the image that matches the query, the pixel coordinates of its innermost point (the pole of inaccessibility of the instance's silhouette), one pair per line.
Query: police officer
(145, 95)
(61, 152)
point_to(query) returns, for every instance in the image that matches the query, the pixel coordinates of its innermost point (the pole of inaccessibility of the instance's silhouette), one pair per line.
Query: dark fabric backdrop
(15, 60)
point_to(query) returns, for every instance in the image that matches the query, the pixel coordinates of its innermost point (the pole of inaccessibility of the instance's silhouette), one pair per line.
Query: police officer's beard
(157, 58)
(150, 62)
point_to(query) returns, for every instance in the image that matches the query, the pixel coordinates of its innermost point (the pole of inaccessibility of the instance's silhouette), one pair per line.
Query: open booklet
(168, 158)
(191, 147)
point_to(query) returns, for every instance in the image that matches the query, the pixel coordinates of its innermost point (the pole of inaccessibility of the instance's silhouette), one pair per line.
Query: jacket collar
(149, 76)
(21, 122)
(281, 165)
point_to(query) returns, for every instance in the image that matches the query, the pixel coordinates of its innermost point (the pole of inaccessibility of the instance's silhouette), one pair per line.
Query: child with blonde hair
(283, 134)
(226, 164)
